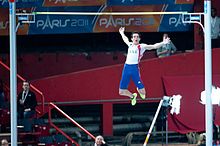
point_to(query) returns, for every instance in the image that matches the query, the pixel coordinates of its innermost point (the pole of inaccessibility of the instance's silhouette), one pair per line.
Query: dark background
(90, 42)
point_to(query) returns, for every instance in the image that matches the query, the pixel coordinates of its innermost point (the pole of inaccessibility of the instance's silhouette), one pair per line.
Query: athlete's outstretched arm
(124, 37)
(157, 45)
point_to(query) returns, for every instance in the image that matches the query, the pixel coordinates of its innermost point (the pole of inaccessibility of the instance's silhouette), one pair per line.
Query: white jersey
(134, 54)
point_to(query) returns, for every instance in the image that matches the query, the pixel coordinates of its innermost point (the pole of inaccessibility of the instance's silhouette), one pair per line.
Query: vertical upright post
(107, 121)
(166, 129)
(208, 72)
(13, 72)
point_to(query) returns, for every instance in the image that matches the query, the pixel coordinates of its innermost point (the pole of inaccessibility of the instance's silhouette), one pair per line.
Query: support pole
(153, 122)
(13, 72)
(166, 129)
(208, 72)
(107, 121)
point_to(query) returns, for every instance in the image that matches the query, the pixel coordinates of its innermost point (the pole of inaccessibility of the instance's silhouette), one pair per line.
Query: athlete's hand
(121, 30)
(166, 40)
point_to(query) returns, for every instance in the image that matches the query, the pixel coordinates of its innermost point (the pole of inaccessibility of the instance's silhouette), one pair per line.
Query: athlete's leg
(125, 92)
(125, 79)
(142, 92)
(138, 82)
(123, 89)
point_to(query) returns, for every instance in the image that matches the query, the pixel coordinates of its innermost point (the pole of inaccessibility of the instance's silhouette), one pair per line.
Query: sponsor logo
(4, 25)
(177, 21)
(184, 1)
(133, 51)
(120, 21)
(74, 2)
(62, 1)
(61, 23)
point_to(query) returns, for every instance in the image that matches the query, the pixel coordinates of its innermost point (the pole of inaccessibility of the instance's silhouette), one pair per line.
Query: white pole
(13, 73)
(153, 122)
(208, 72)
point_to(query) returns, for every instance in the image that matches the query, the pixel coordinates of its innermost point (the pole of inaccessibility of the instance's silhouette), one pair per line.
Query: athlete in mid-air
(131, 68)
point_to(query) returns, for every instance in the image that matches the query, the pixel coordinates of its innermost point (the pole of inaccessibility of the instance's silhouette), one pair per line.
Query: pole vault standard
(13, 72)
(208, 66)
(208, 72)
(207, 34)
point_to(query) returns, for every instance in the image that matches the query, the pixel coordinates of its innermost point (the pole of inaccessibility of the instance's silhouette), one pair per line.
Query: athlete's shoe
(141, 95)
(134, 99)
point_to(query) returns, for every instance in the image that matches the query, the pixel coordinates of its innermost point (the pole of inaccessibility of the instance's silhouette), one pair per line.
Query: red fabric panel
(96, 84)
(216, 115)
(103, 83)
(192, 112)
(34, 66)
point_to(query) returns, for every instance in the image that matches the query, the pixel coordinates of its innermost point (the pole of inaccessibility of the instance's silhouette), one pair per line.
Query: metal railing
(40, 112)
(53, 106)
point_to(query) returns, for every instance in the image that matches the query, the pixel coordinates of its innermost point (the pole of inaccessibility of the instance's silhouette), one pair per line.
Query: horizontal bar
(25, 14)
(157, 99)
(197, 13)
(109, 13)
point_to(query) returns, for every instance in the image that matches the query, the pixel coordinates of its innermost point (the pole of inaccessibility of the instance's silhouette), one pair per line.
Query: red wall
(102, 83)
(36, 65)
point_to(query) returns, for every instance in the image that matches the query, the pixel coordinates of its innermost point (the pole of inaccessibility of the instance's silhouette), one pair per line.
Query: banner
(67, 3)
(69, 24)
(22, 3)
(147, 2)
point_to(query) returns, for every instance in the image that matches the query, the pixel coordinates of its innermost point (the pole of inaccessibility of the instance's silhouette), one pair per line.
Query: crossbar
(109, 13)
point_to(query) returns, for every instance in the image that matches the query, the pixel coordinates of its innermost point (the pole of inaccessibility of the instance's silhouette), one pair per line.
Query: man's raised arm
(157, 45)
(124, 37)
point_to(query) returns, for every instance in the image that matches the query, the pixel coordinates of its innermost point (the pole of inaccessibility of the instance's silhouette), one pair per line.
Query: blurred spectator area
(49, 64)
(90, 42)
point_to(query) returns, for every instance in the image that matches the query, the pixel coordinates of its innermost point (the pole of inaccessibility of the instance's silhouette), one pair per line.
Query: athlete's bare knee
(121, 92)
(142, 91)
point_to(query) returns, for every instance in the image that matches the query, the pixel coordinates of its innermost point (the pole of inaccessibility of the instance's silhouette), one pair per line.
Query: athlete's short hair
(135, 32)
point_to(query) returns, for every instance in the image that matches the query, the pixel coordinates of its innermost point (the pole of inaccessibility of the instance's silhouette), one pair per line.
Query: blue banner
(174, 22)
(68, 24)
(67, 3)
(22, 3)
(140, 2)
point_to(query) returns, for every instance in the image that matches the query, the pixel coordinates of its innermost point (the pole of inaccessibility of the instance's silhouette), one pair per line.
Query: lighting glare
(173, 102)
(215, 96)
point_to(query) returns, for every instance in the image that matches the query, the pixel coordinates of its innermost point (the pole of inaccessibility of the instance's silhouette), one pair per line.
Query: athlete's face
(135, 38)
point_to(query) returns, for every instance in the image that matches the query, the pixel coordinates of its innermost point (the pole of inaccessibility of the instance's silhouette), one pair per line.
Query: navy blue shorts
(131, 71)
